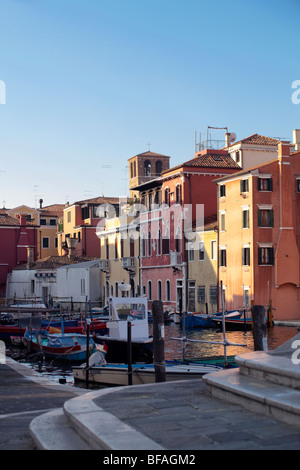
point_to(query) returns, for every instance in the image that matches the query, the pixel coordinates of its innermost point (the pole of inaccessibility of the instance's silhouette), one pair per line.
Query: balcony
(104, 265)
(175, 258)
(128, 263)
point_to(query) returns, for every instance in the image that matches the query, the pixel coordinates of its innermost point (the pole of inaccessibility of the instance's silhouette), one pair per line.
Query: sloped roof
(208, 160)
(99, 200)
(54, 262)
(256, 139)
(7, 220)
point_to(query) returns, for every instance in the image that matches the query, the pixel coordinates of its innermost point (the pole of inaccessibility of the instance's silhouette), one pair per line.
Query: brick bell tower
(145, 167)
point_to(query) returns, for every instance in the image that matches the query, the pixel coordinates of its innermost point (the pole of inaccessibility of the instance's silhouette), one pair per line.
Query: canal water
(276, 336)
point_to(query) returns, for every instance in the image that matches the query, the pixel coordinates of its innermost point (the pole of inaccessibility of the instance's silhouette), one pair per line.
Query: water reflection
(173, 349)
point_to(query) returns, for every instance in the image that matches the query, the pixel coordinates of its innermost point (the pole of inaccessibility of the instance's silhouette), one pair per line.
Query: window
(159, 290)
(116, 289)
(298, 184)
(158, 251)
(214, 249)
(191, 251)
(122, 247)
(201, 251)
(56, 242)
(246, 296)
(223, 257)
(32, 286)
(43, 222)
(131, 247)
(116, 248)
(107, 247)
(167, 196)
(222, 190)
(237, 156)
(244, 186)
(265, 184)
(149, 244)
(246, 218)
(69, 216)
(168, 290)
(213, 294)
(166, 244)
(82, 285)
(246, 256)
(265, 255)
(45, 242)
(143, 246)
(265, 218)
(222, 222)
(178, 194)
(52, 222)
(149, 290)
(158, 168)
(147, 168)
(201, 294)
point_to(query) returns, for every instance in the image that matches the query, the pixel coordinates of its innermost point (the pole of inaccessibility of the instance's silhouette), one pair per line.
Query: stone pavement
(22, 397)
(175, 415)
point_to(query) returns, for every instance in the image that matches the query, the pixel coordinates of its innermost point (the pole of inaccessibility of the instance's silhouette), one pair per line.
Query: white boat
(117, 374)
(124, 313)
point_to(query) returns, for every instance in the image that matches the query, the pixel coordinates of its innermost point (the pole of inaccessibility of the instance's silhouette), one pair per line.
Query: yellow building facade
(202, 269)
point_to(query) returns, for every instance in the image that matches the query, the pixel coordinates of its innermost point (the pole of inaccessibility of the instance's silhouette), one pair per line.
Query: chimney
(284, 149)
(41, 203)
(30, 256)
(296, 139)
(71, 243)
(22, 219)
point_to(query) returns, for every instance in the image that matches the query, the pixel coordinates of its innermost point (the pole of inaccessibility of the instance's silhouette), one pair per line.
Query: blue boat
(202, 320)
(61, 346)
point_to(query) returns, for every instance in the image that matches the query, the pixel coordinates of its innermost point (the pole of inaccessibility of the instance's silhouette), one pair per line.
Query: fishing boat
(234, 322)
(117, 374)
(60, 346)
(127, 316)
(9, 332)
(202, 320)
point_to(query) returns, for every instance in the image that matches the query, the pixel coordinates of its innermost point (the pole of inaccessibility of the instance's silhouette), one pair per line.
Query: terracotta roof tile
(256, 139)
(208, 160)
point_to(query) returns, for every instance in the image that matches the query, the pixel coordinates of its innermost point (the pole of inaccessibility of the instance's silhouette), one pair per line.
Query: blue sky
(91, 83)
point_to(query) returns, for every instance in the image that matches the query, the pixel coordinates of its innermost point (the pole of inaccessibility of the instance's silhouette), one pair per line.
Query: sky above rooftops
(90, 84)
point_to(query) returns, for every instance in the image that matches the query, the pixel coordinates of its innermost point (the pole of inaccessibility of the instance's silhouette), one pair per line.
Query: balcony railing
(175, 258)
(128, 263)
(104, 265)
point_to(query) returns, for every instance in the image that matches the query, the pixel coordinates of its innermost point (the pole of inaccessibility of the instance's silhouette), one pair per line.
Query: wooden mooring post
(259, 327)
(129, 353)
(158, 341)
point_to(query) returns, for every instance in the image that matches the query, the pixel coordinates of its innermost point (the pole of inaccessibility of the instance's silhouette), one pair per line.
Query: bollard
(87, 351)
(259, 327)
(158, 341)
(129, 353)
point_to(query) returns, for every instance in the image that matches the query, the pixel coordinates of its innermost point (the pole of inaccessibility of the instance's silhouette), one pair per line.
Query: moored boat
(60, 346)
(117, 374)
(124, 313)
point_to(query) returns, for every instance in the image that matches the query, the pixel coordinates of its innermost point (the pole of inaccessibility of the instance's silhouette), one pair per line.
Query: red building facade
(172, 205)
(18, 244)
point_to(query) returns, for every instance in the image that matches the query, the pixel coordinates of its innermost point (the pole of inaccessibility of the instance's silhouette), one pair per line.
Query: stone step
(271, 368)
(52, 431)
(256, 395)
(82, 425)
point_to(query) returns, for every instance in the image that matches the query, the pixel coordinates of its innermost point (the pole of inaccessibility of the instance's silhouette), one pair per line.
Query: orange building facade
(259, 235)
